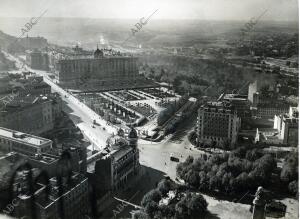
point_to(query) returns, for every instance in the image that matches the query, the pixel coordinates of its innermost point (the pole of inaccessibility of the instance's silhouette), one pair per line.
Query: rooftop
(44, 158)
(22, 137)
(235, 97)
(16, 103)
(118, 154)
(218, 106)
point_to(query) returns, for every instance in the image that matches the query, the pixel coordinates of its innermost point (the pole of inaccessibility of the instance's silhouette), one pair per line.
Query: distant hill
(156, 33)
(6, 40)
(88, 32)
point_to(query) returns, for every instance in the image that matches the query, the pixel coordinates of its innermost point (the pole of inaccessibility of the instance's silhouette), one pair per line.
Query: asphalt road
(80, 114)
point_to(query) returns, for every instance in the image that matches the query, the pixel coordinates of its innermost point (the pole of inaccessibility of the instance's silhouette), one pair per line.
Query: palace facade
(99, 69)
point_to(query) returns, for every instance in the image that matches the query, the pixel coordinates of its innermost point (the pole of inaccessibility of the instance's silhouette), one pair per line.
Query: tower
(132, 138)
(257, 136)
(98, 53)
(132, 142)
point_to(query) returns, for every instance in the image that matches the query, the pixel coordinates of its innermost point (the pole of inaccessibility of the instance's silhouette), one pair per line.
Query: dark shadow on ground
(68, 111)
(211, 216)
(183, 128)
(134, 192)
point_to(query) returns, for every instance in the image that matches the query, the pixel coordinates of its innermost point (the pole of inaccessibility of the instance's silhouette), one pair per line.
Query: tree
(213, 144)
(242, 181)
(213, 183)
(254, 154)
(289, 170)
(240, 152)
(226, 145)
(189, 160)
(258, 177)
(164, 186)
(153, 195)
(192, 178)
(265, 90)
(293, 187)
(225, 181)
(267, 163)
(191, 206)
(203, 181)
(197, 206)
(151, 208)
(229, 172)
(167, 211)
(141, 215)
(182, 169)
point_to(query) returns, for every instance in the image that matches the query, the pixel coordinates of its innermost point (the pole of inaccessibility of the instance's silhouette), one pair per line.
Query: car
(175, 159)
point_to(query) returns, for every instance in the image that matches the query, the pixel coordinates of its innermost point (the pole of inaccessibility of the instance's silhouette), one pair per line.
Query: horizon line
(166, 19)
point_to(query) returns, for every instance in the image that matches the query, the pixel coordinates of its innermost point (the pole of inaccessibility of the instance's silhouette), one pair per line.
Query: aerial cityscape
(142, 109)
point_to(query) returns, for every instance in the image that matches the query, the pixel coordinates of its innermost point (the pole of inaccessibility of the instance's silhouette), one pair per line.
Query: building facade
(119, 163)
(268, 111)
(11, 140)
(38, 60)
(252, 89)
(217, 122)
(104, 70)
(240, 103)
(31, 114)
(73, 203)
(287, 126)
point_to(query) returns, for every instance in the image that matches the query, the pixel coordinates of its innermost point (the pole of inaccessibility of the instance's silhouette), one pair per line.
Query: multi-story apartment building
(117, 165)
(38, 60)
(35, 88)
(252, 89)
(72, 201)
(287, 126)
(266, 104)
(240, 103)
(268, 111)
(31, 114)
(11, 140)
(56, 105)
(23, 85)
(217, 122)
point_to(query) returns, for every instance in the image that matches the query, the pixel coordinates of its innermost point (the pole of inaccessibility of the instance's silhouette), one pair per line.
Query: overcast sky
(286, 10)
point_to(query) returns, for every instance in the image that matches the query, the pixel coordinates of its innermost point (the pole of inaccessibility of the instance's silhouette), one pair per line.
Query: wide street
(80, 114)
(152, 154)
(157, 155)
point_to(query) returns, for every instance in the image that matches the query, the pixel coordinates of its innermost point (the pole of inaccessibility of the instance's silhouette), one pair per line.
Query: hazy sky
(286, 10)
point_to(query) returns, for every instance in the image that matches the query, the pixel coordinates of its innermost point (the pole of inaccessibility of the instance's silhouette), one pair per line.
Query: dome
(116, 142)
(132, 133)
(121, 132)
(98, 53)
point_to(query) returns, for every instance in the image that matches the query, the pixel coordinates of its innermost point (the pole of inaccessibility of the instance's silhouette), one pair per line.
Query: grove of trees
(239, 171)
(188, 205)
(289, 172)
(165, 114)
(200, 77)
